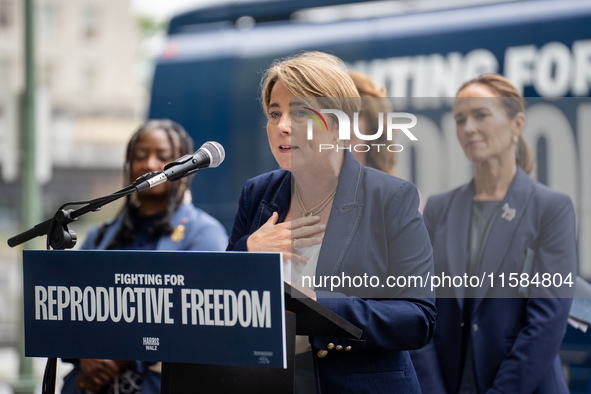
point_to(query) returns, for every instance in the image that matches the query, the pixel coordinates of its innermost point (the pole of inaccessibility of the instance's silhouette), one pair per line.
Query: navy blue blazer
(374, 228)
(194, 230)
(515, 338)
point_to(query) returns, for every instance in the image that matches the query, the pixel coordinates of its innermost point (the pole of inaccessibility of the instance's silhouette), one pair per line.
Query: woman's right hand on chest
(287, 236)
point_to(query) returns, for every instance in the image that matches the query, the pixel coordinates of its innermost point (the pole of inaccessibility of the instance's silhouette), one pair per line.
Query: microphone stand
(59, 237)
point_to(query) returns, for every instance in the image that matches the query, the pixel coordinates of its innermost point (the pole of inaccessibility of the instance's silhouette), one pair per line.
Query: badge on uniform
(508, 212)
(178, 233)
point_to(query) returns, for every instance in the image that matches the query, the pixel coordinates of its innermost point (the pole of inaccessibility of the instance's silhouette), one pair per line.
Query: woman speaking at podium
(333, 218)
(160, 218)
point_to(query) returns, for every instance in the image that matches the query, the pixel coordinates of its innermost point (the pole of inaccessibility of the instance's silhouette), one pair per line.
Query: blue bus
(207, 78)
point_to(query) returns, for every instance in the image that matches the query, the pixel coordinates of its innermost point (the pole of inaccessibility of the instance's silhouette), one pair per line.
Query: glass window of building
(5, 76)
(6, 13)
(48, 19)
(90, 22)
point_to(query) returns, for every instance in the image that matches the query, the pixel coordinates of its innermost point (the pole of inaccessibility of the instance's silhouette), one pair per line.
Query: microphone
(211, 154)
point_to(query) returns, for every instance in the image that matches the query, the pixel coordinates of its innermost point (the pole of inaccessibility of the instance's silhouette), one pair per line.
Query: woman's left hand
(307, 291)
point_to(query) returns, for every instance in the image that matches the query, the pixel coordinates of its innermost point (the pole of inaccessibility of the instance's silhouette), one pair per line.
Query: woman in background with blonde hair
(498, 338)
(374, 101)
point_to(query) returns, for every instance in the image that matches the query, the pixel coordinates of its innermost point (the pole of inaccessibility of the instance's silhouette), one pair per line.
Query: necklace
(318, 208)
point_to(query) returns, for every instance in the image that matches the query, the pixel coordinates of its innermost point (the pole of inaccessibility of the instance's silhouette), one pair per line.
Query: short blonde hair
(313, 75)
(376, 101)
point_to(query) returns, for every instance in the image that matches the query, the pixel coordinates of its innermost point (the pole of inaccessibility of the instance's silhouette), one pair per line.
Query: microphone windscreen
(216, 153)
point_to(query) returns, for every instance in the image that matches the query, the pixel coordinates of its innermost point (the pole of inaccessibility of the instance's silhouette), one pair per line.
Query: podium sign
(224, 308)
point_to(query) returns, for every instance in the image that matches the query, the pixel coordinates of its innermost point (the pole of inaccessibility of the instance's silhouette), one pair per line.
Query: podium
(180, 308)
(304, 316)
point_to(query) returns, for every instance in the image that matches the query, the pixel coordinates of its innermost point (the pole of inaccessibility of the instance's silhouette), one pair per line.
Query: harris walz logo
(345, 130)
(151, 343)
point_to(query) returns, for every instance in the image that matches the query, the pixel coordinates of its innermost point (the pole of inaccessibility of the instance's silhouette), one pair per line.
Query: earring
(515, 139)
(184, 192)
(127, 174)
(134, 201)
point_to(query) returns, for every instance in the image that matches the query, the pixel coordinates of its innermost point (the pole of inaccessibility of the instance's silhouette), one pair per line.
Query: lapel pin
(508, 212)
(178, 234)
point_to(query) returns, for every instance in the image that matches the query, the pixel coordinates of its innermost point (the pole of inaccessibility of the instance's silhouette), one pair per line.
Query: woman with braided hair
(160, 218)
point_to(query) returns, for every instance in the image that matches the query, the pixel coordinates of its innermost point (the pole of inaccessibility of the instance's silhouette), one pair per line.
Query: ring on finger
(295, 243)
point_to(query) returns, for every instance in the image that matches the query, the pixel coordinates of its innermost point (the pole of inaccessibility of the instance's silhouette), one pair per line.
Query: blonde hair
(383, 160)
(513, 103)
(317, 75)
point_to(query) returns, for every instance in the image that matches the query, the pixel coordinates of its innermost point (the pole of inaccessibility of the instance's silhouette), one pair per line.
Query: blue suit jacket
(515, 340)
(200, 232)
(375, 229)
